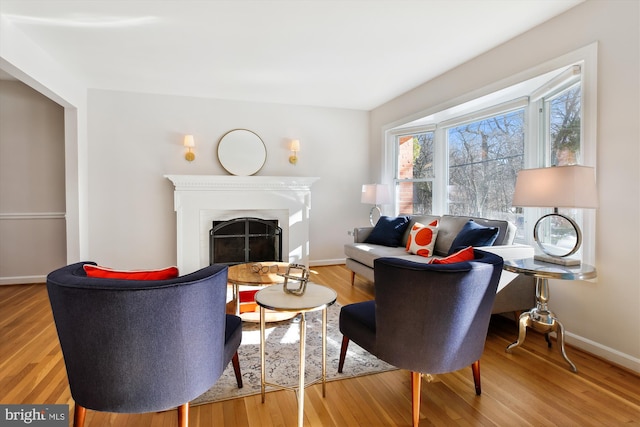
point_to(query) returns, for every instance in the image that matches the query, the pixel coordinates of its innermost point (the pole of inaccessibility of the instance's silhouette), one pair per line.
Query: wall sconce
(294, 146)
(189, 143)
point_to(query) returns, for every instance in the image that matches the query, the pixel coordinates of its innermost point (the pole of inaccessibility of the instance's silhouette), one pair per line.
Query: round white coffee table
(316, 297)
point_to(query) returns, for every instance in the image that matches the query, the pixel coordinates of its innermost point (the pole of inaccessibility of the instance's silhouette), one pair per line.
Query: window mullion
(441, 168)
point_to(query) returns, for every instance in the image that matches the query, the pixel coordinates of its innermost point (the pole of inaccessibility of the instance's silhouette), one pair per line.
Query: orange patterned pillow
(462, 255)
(109, 273)
(422, 239)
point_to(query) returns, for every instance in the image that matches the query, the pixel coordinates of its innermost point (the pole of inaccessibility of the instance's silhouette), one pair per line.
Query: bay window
(464, 160)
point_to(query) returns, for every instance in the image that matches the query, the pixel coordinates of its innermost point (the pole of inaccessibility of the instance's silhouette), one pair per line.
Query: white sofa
(515, 292)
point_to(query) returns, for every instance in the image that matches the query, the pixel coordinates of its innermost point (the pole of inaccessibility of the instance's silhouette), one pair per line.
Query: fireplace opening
(243, 240)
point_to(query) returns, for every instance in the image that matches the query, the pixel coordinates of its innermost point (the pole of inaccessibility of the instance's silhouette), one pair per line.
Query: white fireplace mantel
(201, 199)
(235, 183)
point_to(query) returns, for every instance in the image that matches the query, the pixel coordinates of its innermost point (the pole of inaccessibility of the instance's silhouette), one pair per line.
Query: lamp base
(374, 209)
(567, 262)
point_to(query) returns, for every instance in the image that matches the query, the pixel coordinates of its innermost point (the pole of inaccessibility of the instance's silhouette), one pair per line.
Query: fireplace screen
(243, 240)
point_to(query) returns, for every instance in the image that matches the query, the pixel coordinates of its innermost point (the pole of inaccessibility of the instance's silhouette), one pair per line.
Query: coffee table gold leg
(324, 352)
(262, 353)
(236, 297)
(303, 333)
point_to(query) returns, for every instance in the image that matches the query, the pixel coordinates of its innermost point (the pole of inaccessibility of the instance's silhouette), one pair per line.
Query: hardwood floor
(531, 387)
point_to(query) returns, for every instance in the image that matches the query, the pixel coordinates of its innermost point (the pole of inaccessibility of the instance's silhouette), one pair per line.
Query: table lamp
(375, 194)
(557, 235)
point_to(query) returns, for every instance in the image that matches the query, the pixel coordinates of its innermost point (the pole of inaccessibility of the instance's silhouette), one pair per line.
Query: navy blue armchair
(426, 318)
(136, 346)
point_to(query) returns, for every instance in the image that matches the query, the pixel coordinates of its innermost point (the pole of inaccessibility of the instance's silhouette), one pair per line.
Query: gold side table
(246, 275)
(541, 318)
(316, 297)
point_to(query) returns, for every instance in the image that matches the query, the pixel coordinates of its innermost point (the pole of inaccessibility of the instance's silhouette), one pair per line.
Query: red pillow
(108, 273)
(462, 255)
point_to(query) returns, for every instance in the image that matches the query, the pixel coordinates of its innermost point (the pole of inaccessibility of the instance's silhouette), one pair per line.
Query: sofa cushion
(366, 253)
(109, 273)
(423, 219)
(462, 255)
(451, 225)
(422, 239)
(473, 234)
(388, 231)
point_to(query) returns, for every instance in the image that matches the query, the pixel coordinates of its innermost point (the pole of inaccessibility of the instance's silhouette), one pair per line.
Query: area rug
(282, 357)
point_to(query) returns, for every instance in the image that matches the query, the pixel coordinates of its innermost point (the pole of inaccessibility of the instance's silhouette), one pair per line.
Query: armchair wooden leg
(416, 383)
(236, 369)
(343, 352)
(353, 278)
(475, 367)
(183, 415)
(78, 416)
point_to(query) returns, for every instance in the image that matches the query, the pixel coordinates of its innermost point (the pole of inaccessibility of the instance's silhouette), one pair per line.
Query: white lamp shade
(188, 141)
(294, 145)
(556, 187)
(375, 194)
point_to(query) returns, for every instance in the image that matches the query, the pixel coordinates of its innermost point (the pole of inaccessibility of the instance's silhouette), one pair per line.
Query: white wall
(135, 139)
(27, 62)
(602, 316)
(32, 188)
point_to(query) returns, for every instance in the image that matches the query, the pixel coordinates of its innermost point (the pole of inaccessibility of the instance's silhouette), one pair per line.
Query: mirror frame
(242, 152)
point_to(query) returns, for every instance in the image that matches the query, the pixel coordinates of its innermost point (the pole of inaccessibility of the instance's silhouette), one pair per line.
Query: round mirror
(557, 235)
(241, 152)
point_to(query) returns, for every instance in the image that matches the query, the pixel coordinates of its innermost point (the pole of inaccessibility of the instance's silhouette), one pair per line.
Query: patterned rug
(282, 357)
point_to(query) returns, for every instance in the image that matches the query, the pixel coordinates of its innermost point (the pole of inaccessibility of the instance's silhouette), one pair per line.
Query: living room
(120, 143)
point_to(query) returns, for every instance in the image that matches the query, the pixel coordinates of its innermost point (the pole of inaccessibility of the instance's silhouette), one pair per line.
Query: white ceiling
(333, 53)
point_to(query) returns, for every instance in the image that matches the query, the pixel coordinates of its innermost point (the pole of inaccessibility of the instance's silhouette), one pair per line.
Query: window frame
(520, 103)
(585, 58)
(396, 172)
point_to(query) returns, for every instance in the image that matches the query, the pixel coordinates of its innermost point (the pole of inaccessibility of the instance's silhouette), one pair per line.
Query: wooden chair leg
(353, 278)
(416, 383)
(475, 367)
(78, 416)
(236, 369)
(183, 415)
(343, 352)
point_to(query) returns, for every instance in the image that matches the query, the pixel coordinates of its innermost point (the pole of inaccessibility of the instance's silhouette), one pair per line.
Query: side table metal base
(531, 319)
(541, 320)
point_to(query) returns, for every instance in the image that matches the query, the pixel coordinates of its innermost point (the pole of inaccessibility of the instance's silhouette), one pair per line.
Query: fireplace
(243, 240)
(201, 199)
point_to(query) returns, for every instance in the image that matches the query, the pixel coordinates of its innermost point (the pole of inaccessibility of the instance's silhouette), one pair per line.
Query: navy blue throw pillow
(388, 231)
(473, 234)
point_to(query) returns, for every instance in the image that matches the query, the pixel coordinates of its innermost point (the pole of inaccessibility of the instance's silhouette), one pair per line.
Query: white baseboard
(604, 352)
(22, 280)
(323, 262)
